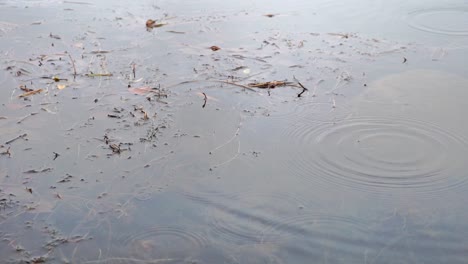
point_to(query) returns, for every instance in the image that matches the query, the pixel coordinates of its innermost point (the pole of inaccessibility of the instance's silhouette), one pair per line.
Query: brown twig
(73, 64)
(217, 81)
(7, 152)
(205, 99)
(302, 86)
(303, 89)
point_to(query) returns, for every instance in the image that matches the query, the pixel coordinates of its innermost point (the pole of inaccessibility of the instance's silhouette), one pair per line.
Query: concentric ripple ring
(374, 153)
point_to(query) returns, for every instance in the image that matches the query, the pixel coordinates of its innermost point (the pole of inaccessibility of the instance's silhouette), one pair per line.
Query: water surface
(120, 159)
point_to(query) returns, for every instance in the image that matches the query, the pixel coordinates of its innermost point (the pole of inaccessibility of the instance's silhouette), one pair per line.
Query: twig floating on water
(16, 138)
(150, 23)
(73, 64)
(38, 171)
(175, 32)
(205, 99)
(99, 74)
(218, 81)
(30, 93)
(7, 152)
(24, 118)
(270, 85)
(302, 86)
(113, 116)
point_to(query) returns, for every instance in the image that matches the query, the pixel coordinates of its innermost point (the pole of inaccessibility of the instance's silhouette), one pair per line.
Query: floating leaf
(150, 23)
(61, 86)
(140, 90)
(215, 48)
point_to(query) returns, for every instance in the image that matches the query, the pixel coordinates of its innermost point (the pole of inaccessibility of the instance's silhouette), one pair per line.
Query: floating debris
(204, 99)
(33, 92)
(54, 36)
(16, 138)
(150, 23)
(270, 85)
(38, 171)
(6, 152)
(98, 74)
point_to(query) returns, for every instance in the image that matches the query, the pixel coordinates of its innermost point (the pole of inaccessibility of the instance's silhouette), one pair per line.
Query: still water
(126, 144)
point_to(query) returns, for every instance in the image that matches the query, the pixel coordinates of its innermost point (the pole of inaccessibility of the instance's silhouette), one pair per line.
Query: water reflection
(127, 163)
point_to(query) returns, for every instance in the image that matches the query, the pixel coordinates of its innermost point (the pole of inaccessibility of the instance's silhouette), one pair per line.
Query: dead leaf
(150, 23)
(269, 15)
(140, 90)
(30, 93)
(215, 48)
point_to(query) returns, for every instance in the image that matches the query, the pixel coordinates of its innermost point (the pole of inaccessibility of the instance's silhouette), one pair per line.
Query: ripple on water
(167, 242)
(374, 154)
(319, 235)
(242, 218)
(447, 21)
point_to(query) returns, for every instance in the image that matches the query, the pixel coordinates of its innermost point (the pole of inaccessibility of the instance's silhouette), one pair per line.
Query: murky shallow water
(367, 166)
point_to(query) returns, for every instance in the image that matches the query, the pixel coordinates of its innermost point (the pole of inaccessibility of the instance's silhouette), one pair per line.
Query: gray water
(126, 162)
